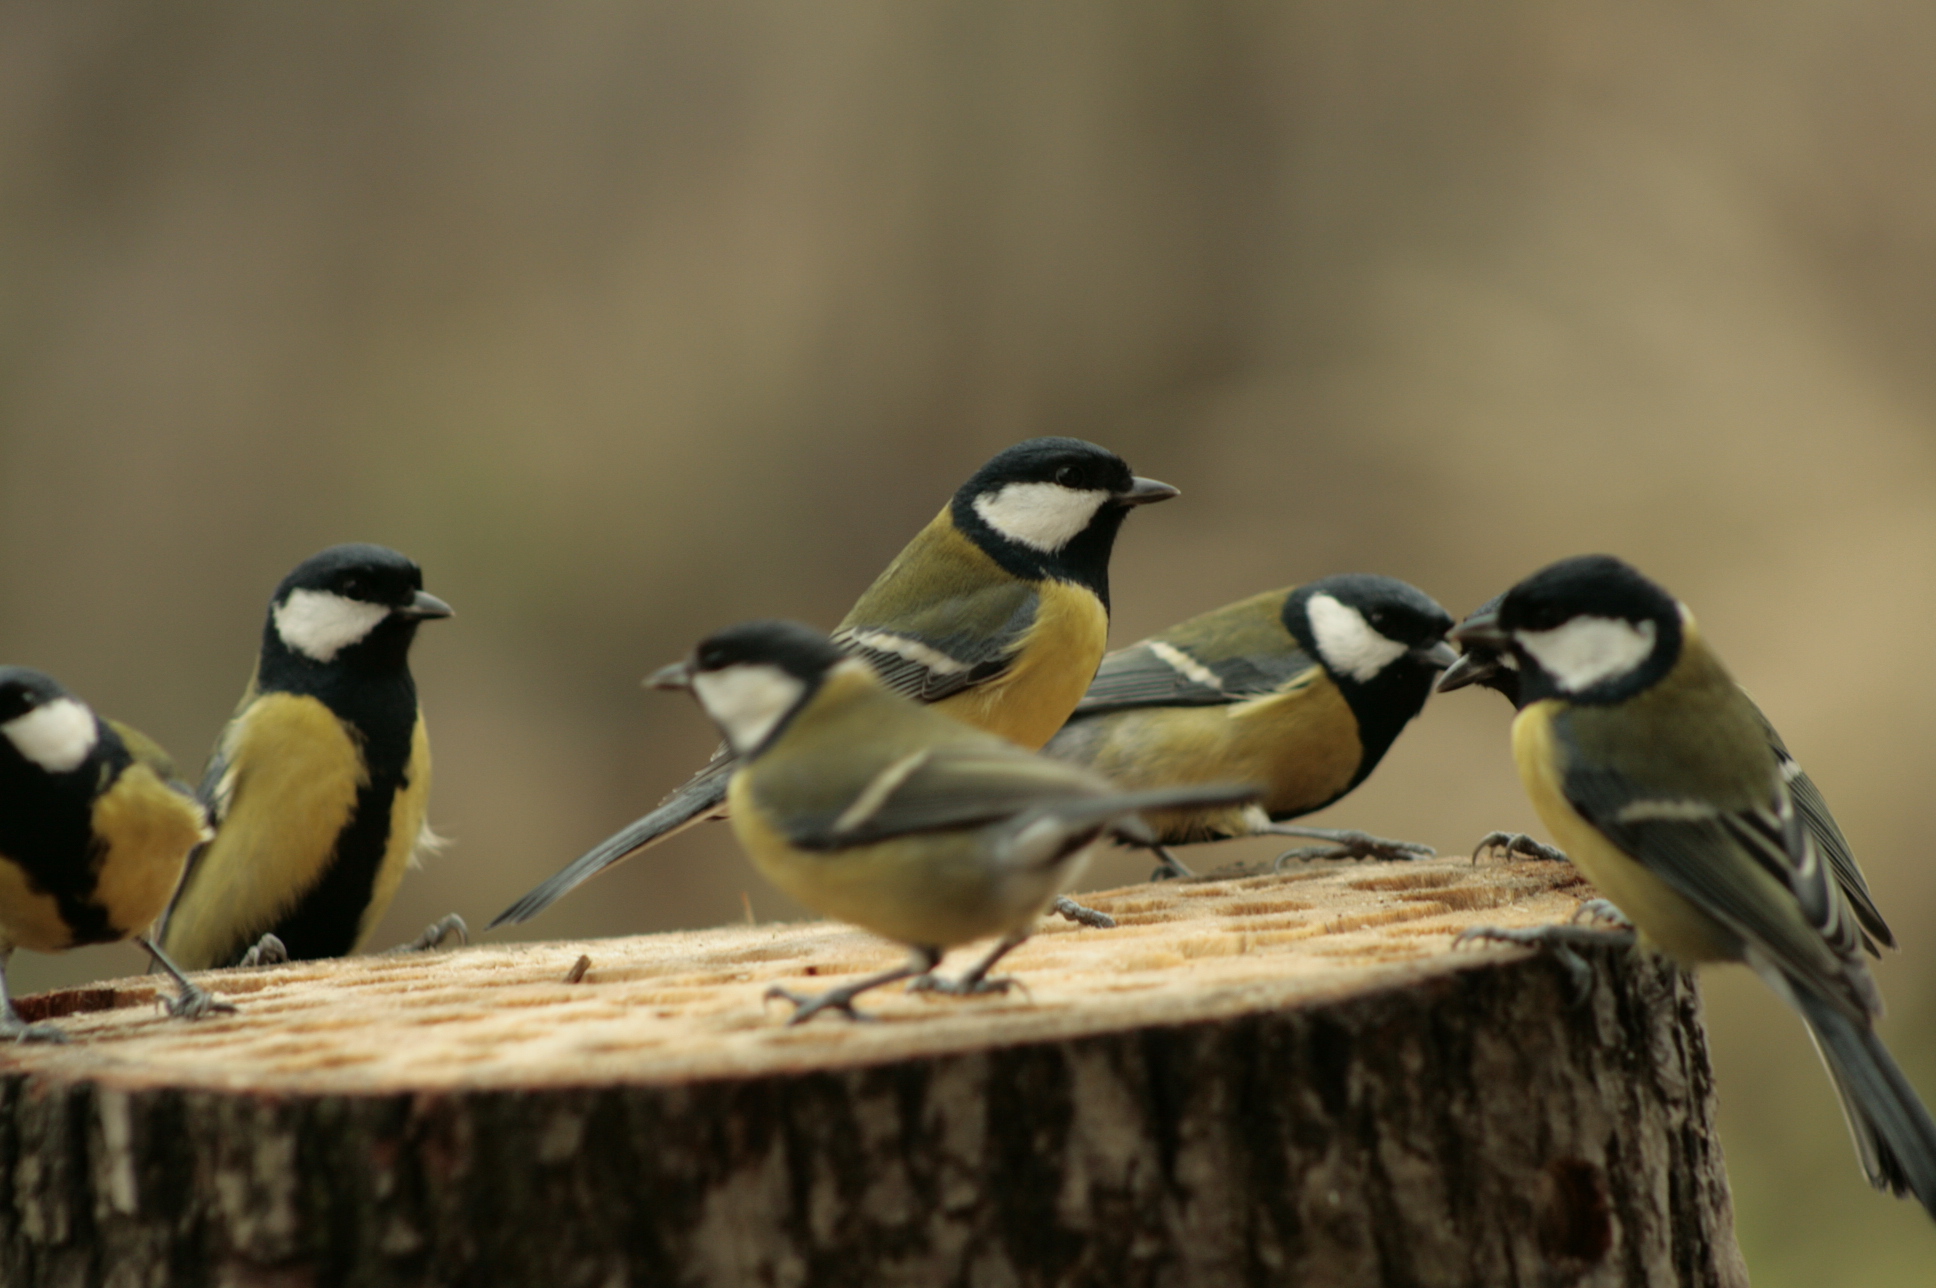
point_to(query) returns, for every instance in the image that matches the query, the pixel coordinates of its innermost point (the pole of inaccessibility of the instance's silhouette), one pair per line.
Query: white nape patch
(1586, 650)
(912, 649)
(320, 625)
(57, 736)
(1665, 812)
(1042, 516)
(1347, 641)
(1185, 665)
(747, 700)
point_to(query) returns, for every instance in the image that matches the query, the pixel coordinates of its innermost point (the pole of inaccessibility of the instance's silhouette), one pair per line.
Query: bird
(93, 836)
(1302, 690)
(319, 783)
(1655, 772)
(882, 812)
(997, 613)
(1495, 669)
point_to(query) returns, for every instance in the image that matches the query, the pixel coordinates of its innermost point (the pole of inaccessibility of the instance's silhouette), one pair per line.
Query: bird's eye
(1066, 476)
(353, 587)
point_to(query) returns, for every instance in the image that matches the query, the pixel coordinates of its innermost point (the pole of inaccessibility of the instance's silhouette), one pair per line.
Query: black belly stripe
(325, 921)
(47, 832)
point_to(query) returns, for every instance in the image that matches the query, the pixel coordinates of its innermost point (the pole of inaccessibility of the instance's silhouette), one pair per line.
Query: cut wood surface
(1259, 1079)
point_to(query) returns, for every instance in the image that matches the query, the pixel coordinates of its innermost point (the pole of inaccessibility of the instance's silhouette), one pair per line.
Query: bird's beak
(1143, 491)
(1438, 657)
(1481, 629)
(676, 676)
(425, 607)
(1469, 669)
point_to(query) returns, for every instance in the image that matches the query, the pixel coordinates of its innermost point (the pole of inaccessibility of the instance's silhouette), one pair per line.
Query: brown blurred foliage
(628, 322)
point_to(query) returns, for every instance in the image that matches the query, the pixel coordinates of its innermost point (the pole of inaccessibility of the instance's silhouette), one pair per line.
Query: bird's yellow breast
(1054, 663)
(1661, 914)
(293, 774)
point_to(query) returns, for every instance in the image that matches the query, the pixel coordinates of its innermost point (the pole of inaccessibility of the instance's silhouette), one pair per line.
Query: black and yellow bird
(93, 836)
(882, 812)
(320, 782)
(997, 613)
(1494, 668)
(1300, 690)
(1654, 771)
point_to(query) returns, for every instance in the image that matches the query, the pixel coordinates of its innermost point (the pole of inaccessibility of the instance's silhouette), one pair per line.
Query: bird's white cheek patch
(1349, 644)
(1589, 650)
(57, 736)
(1042, 516)
(320, 625)
(747, 701)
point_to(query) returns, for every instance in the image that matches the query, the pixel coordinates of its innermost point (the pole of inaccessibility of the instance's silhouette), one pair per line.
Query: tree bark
(1357, 1104)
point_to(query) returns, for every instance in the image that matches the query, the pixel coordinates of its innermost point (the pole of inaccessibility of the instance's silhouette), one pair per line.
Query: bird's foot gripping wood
(1559, 941)
(1064, 906)
(1345, 844)
(435, 935)
(1518, 843)
(192, 1002)
(974, 982)
(808, 1005)
(266, 951)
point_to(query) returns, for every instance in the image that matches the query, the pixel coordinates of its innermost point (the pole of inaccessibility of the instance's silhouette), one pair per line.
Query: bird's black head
(43, 724)
(1381, 641)
(1485, 665)
(750, 678)
(353, 605)
(1590, 629)
(1051, 507)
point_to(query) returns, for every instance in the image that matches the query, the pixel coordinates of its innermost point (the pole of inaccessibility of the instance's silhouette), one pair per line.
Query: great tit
(996, 613)
(319, 783)
(865, 806)
(1494, 669)
(93, 836)
(1300, 690)
(1655, 773)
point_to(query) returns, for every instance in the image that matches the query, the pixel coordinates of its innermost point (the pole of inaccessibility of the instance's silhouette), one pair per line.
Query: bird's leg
(806, 1005)
(192, 1003)
(1559, 941)
(1349, 845)
(12, 1027)
(1064, 906)
(975, 979)
(266, 951)
(1172, 866)
(1511, 843)
(434, 936)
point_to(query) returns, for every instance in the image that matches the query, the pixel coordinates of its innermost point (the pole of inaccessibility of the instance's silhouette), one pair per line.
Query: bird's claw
(1602, 910)
(808, 1005)
(193, 1003)
(1064, 906)
(1518, 843)
(266, 951)
(434, 935)
(963, 987)
(1557, 940)
(1356, 845)
(21, 1031)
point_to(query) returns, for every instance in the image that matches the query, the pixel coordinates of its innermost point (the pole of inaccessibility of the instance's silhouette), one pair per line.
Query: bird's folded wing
(1757, 871)
(1158, 673)
(952, 644)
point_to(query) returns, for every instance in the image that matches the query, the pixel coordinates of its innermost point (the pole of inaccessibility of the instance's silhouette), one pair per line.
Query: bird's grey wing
(1756, 871)
(1828, 836)
(1158, 673)
(954, 644)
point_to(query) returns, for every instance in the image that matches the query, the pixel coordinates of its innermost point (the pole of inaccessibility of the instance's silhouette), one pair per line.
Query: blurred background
(628, 322)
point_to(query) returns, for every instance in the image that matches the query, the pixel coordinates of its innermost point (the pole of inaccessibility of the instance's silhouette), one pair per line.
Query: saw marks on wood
(673, 1007)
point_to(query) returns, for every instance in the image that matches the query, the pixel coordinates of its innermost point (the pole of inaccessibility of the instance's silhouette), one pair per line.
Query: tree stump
(1259, 1080)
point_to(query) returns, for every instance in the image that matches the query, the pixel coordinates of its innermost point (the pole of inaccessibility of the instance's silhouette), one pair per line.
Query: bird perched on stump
(1494, 669)
(1655, 773)
(868, 807)
(996, 613)
(93, 836)
(1300, 690)
(320, 783)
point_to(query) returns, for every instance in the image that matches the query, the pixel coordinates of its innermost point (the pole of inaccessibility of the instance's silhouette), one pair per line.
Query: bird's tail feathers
(1894, 1135)
(696, 801)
